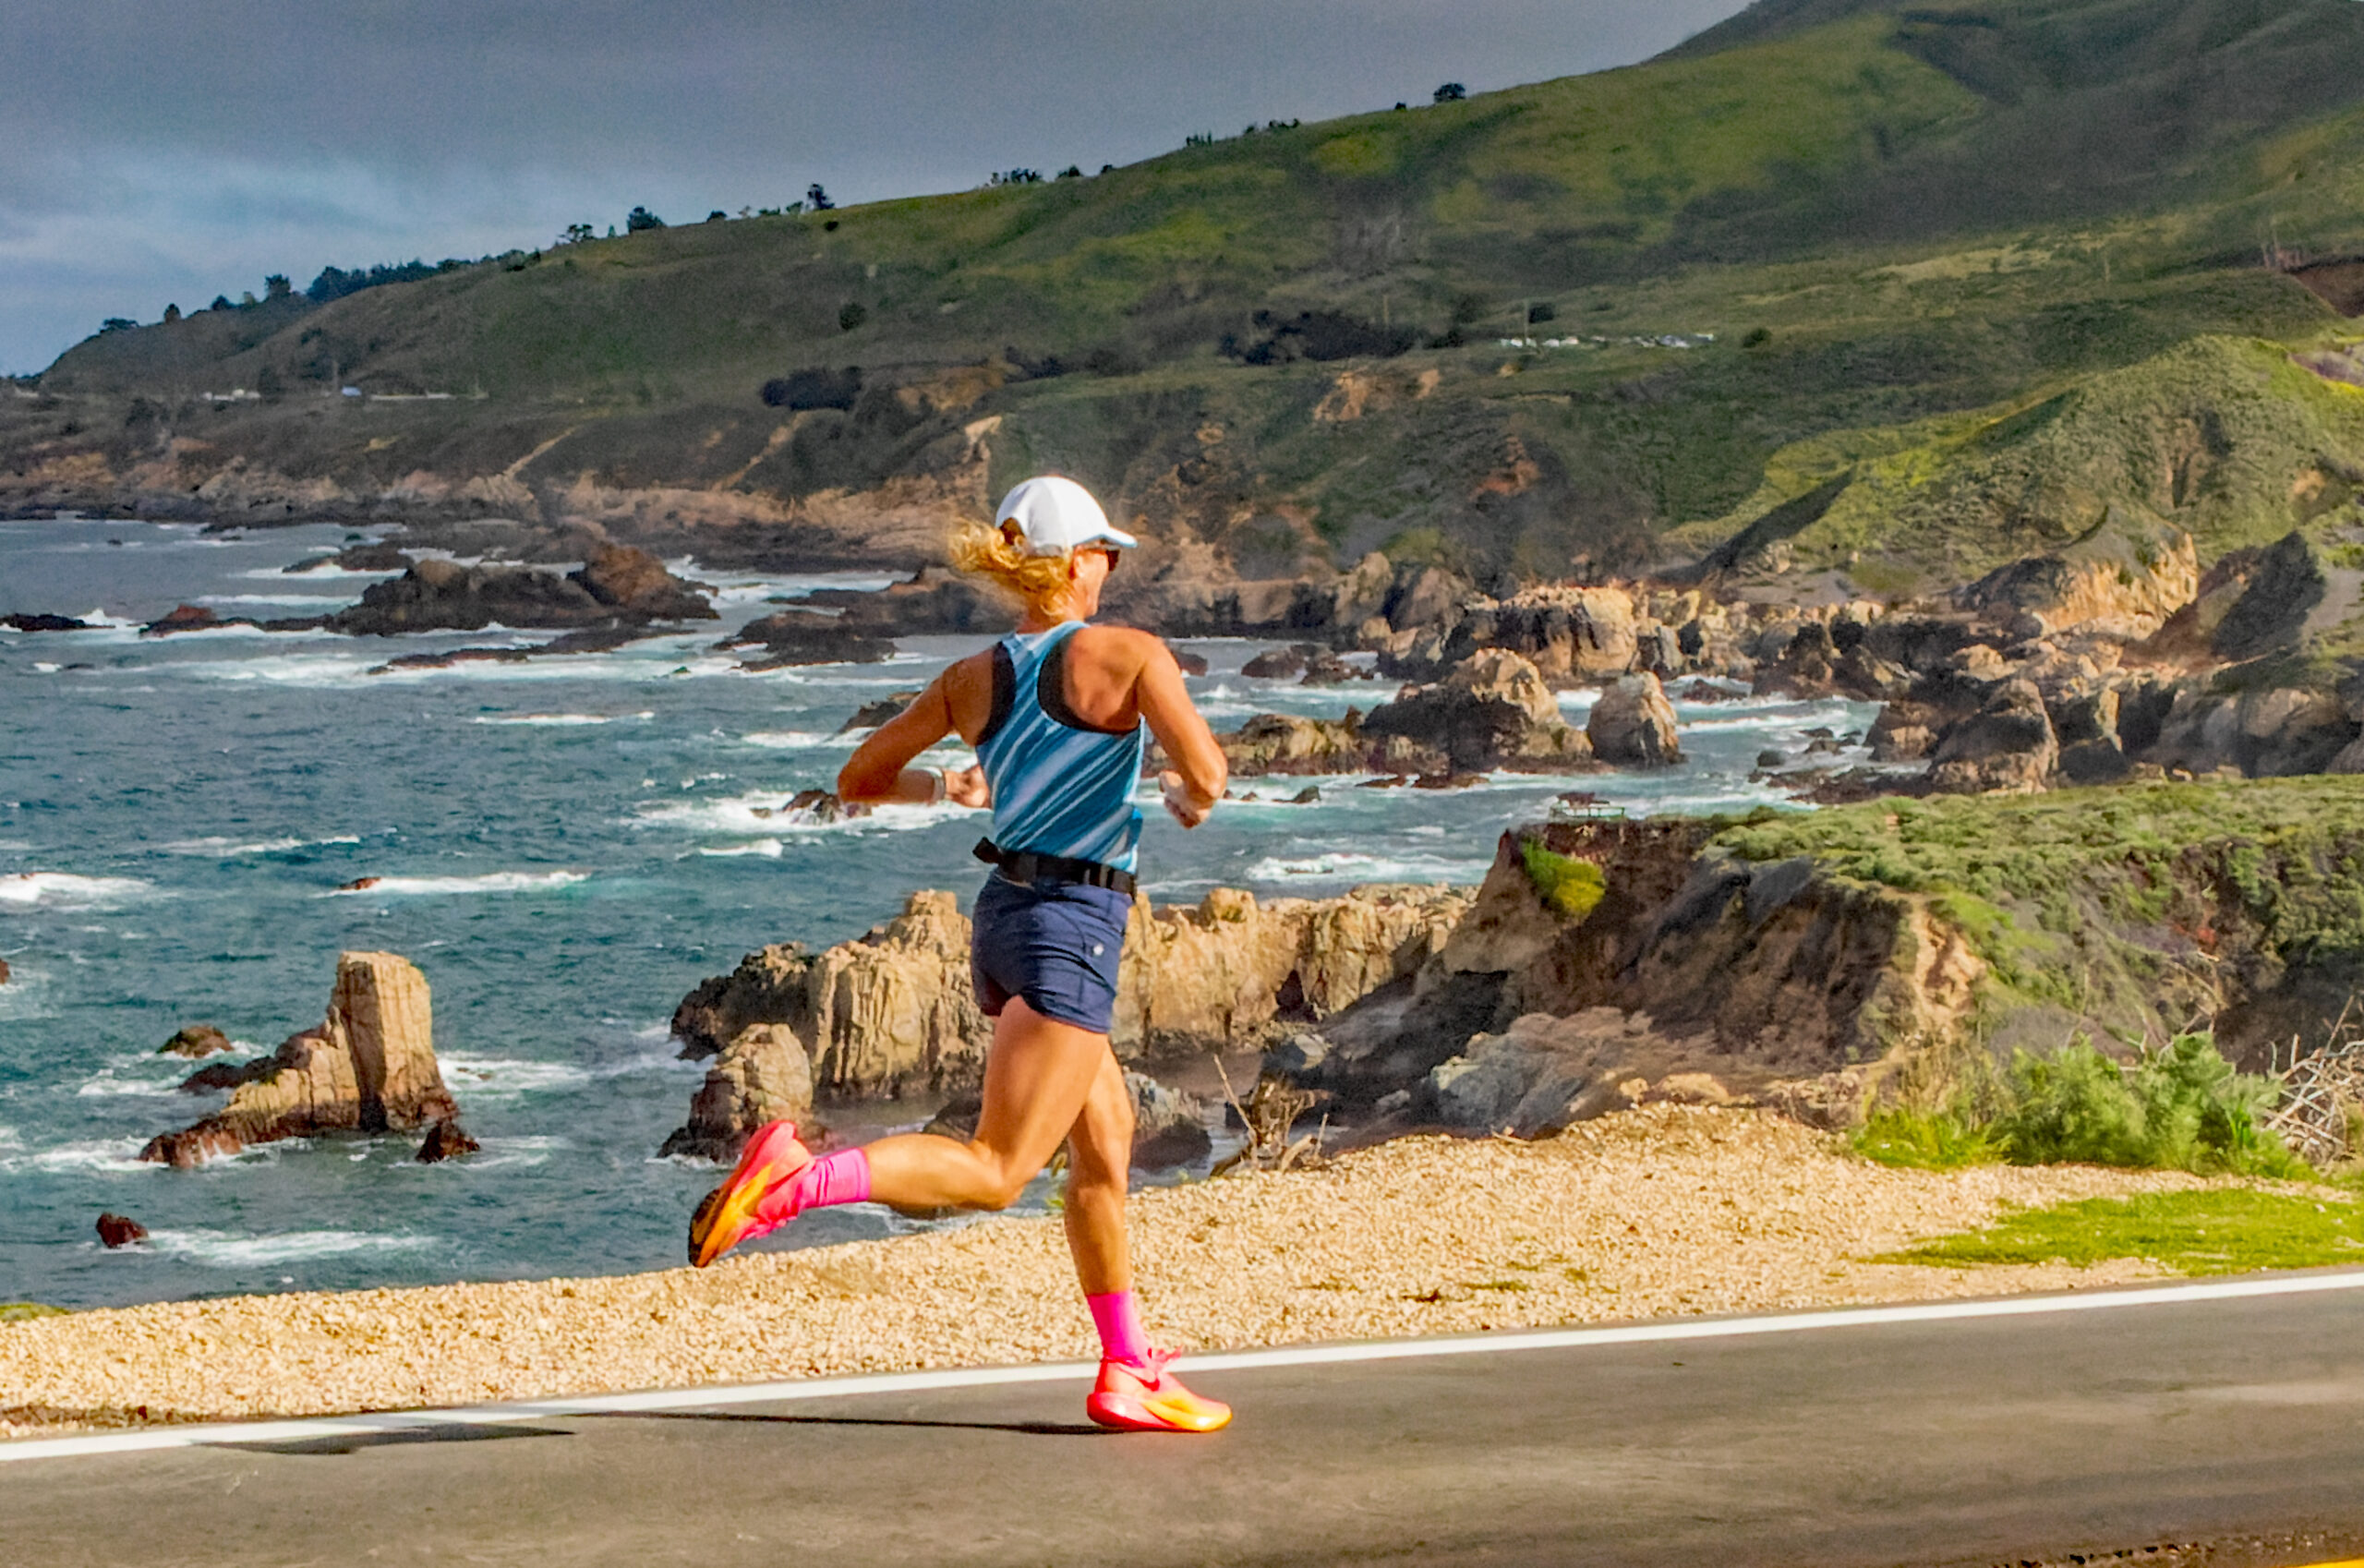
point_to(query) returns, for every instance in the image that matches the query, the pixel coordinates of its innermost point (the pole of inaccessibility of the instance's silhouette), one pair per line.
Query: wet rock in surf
(764, 1075)
(370, 1067)
(447, 1140)
(618, 585)
(120, 1230)
(196, 1041)
(44, 623)
(1632, 725)
(1493, 711)
(804, 636)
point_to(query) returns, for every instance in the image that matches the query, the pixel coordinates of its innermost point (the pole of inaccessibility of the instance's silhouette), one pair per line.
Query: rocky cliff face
(893, 1012)
(369, 1067)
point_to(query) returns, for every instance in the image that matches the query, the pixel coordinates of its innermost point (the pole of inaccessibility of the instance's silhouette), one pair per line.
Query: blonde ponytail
(999, 556)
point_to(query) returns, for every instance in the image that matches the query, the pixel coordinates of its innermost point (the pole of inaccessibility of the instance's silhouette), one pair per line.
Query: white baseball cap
(1056, 515)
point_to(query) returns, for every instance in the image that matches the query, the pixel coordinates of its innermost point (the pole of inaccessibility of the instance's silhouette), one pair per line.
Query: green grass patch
(1569, 885)
(2223, 1232)
(1925, 1140)
(23, 1311)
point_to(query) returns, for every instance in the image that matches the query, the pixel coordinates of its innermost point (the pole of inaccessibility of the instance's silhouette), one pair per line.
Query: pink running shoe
(755, 1200)
(1147, 1398)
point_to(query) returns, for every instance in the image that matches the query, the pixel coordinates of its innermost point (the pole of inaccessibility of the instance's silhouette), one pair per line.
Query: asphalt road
(2211, 1423)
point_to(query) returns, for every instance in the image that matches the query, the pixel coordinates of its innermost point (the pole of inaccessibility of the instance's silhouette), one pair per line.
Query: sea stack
(369, 1067)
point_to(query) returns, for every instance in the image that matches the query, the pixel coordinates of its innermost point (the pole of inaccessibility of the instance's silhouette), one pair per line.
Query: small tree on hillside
(817, 199)
(1451, 92)
(276, 286)
(577, 233)
(641, 218)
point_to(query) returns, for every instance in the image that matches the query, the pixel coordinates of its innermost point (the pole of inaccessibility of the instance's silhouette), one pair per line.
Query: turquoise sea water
(564, 849)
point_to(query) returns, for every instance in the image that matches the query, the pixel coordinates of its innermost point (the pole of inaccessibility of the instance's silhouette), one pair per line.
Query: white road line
(318, 1428)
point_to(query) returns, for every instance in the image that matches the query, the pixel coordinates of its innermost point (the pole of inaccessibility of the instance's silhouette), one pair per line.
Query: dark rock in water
(359, 885)
(355, 557)
(197, 1040)
(1310, 795)
(192, 618)
(4, 971)
(1393, 781)
(120, 1230)
(821, 806)
(1703, 691)
(44, 623)
(1770, 758)
(1323, 668)
(1448, 781)
(1193, 664)
(1276, 664)
(1291, 743)
(446, 1140)
(215, 1077)
(804, 636)
(937, 602)
(616, 585)
(870, 716)
(958, 1119)
(447, 660)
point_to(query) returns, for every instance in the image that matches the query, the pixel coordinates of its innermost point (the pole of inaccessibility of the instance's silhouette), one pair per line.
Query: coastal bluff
(892, 1011)
(368, 1067)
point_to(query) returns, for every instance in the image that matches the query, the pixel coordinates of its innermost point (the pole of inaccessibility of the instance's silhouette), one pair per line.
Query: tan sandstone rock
(1632, 725)
(764, 1075)
(369, 1067)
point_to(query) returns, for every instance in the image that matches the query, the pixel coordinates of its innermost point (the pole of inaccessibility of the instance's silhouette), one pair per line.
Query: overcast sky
(168, 150)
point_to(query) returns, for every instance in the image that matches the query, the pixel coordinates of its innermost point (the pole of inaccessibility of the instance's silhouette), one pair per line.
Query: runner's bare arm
(1196, 781)
(878, 771)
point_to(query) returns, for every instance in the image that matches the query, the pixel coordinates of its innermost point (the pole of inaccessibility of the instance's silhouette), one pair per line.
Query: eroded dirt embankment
(1668, 1210)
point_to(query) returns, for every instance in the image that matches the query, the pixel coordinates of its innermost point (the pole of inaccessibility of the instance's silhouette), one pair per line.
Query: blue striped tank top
(1060, 786)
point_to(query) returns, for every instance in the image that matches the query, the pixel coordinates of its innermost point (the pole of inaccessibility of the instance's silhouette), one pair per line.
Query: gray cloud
(153, 152)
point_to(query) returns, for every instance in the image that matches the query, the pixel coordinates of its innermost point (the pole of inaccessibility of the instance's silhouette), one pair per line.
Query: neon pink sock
(842, 1177)
(1119, 1322)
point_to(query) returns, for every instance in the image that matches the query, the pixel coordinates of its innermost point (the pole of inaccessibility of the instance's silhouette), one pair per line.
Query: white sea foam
(291, 601)
(120, 1155)
(447, 887)
(226, 849)
(106, 1082)
(746, 818)
(485, 1077)
(799, 740)
(316, 574)
(225, 1249)
(1353, 865)
(27, 888)
(771, 848)
(554, 720)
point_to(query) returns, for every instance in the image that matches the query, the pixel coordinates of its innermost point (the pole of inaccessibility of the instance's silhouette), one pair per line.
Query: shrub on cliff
(2180, 1107)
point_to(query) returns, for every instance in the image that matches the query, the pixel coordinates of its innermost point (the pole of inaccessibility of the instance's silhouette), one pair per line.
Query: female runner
(1055, 711)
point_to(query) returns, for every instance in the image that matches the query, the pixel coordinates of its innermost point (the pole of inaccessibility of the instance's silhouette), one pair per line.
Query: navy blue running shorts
(1056, 944)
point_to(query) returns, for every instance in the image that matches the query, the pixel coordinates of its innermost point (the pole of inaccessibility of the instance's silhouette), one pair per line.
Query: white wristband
(939, 784)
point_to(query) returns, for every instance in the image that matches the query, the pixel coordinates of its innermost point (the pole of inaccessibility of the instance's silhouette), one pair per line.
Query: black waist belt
(1025, 865)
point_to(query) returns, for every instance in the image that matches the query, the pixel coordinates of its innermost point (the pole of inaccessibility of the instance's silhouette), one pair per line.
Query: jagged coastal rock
(369, 1067)
(447, 1140)
(764, 1075)
(1493, 710)
(120, 1230)
(616, 585)
(892, 1012)
(198, 1040)
(1632, 724)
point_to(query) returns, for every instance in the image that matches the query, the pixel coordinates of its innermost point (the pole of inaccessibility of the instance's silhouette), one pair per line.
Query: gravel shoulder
(1660, 1211)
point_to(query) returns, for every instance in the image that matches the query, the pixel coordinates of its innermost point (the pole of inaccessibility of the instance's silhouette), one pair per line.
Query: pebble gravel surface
(1663, 1211)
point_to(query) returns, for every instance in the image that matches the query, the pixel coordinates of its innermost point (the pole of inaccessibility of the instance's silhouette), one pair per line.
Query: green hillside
(1884, 214)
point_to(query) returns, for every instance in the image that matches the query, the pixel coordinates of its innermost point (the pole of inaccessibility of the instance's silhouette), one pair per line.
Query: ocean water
(563, 847)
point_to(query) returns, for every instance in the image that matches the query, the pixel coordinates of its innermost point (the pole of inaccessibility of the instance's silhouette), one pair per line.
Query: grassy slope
(2123, 910)
(1929, 212)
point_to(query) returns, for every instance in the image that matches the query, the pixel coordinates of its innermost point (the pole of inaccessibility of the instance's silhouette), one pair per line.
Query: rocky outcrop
(369, 1067)
(1287, 744)
(1493, 711)
(764, 1075)
(120, 1230)
(43, 623)
(1632, 725)
(447, 1140)
(198, 1040)
(2008, 746)
(804, 636)
(618, 585)
(893, 1012)
(2123, 581)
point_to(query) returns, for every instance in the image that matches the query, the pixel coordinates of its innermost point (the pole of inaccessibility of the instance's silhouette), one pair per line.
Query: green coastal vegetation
(1950, 281)
(2208, 1231)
